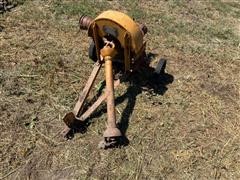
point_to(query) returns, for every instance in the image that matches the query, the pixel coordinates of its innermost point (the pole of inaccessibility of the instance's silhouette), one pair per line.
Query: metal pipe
(97, 103)
(83, 96)
(108, 52)
(110, 92)
(84, 22)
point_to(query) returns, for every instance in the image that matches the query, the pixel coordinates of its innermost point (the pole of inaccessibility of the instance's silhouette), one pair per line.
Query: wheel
(160, 68)
(92, 54)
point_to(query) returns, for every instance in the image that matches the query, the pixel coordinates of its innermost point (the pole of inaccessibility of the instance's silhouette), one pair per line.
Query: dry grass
(189, 132)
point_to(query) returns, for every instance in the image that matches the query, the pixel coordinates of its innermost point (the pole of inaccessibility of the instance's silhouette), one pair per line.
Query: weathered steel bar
(108, 52)
(90, 110)
(97, 103)
(79, 105)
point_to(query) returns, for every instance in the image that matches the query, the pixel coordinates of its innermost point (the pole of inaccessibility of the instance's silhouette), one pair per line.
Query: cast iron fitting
(143, 28)
(84, 22)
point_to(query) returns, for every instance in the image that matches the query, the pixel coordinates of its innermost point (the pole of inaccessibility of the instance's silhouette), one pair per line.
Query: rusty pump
(117, 43)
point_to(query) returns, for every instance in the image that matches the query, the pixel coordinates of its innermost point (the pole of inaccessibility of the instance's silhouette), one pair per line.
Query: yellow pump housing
(121, 27)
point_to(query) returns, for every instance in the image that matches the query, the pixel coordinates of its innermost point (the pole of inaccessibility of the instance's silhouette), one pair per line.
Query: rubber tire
(92, 54)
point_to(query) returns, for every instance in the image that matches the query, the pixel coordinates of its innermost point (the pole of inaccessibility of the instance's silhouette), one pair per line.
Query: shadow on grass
(7, 5)
(145, 79)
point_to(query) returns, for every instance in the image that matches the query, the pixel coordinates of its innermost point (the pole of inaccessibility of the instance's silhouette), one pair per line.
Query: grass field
(186, 129)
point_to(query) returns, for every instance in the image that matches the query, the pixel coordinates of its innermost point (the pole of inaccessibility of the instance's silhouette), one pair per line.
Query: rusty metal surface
(110, 91)
(70, 118)
(97, 103)
(79, 105)
(108, 52)
(84, 22)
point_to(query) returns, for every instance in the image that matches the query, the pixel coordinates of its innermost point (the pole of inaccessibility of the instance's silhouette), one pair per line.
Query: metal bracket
(77, 116)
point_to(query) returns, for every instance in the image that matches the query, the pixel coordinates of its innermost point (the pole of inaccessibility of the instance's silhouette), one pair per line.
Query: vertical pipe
(110, 92)
(108, 52)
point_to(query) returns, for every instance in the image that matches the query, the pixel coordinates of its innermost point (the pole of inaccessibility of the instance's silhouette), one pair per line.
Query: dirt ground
(184, 125)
